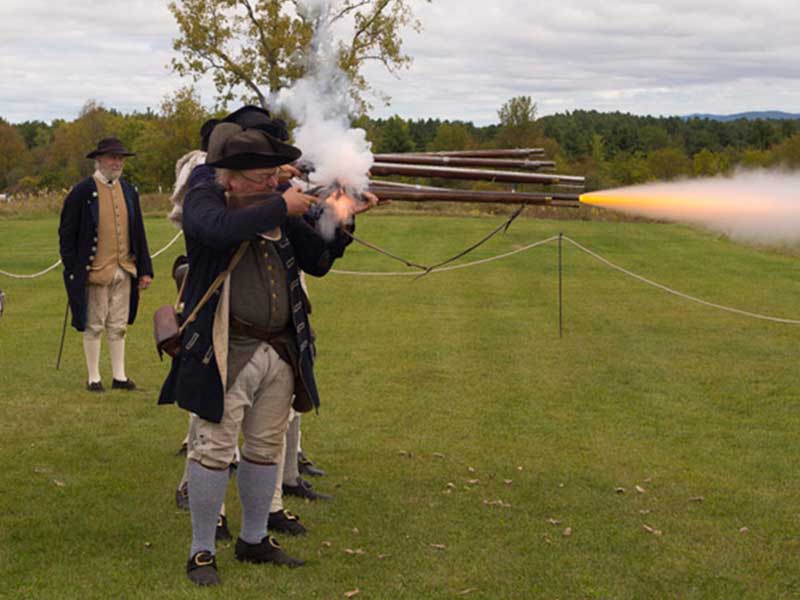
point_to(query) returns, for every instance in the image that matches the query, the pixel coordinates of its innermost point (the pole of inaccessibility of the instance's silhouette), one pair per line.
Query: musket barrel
(442, 195)
(456, 161)
(380, 168)
(499, 153)
(408, 186)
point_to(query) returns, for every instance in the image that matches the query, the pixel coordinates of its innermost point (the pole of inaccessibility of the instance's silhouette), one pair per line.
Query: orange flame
(343, 205)
(678, 203)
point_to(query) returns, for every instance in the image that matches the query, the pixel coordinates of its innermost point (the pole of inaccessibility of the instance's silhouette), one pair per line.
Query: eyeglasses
(262, 177)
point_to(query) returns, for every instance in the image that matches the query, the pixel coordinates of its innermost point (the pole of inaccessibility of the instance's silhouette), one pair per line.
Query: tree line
(610, 149)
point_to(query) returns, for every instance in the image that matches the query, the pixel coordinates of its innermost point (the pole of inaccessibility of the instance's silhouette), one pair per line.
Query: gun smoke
(321, 104)
(761, 207)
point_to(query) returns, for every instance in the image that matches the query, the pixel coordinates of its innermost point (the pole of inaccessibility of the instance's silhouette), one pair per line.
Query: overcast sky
(660, 57)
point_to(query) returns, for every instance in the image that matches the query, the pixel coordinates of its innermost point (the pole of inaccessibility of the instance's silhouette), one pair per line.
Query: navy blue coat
(213, 233)
(77, 234)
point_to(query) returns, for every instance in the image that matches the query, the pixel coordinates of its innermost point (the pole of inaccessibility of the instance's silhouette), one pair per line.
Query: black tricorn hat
(205, 132)
(255, 117)
(248, 116)
(110, 145)
(232, 147)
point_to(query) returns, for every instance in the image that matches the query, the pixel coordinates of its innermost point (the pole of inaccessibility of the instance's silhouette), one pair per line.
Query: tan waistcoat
(113, 243)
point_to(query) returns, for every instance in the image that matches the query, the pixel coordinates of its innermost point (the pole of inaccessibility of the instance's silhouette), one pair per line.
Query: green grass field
(441, 397)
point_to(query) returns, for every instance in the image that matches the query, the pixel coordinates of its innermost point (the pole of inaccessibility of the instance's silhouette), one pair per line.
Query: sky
(656, 57)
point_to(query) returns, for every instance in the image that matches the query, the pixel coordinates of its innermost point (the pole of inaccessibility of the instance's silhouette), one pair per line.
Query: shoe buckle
(273, 542)
(201, 561)
(289, 516)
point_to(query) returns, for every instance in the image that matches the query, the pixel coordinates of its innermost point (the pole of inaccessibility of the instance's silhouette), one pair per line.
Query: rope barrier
(172, 241)
(34, 275)
(483, 261)
(669, 290)
(58, 262)
(445, 269)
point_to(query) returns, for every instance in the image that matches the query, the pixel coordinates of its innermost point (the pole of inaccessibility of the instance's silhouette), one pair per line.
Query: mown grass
(435, 393)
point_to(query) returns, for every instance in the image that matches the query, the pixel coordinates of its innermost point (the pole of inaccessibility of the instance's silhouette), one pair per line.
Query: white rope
(54, 265)
(172, 241)
(444, 269)
(475, 263)
(35, 275)
(737, 311)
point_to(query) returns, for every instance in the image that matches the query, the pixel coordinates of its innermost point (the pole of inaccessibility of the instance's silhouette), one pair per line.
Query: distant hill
(750, 116)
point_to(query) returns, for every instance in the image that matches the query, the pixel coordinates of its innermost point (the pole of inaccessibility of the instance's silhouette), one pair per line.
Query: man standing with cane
(106, 260)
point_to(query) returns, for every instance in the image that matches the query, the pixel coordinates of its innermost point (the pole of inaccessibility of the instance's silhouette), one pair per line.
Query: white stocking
(117, 350)
(91, 348)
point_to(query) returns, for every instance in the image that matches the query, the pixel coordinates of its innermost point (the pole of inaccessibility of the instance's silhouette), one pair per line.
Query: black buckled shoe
(202, 569)
(222, 534)
(127, 385)
(267, 550)
(306, 467)
(283, 521)
(304, 489)
(95, 386)
(182, 497)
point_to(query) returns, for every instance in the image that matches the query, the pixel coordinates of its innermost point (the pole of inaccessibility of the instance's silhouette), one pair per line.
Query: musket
(497, 197)
(501, 153)
(472, 174)
(457, 161)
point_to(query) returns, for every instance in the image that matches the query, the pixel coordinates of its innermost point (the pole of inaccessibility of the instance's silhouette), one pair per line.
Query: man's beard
(110, 174)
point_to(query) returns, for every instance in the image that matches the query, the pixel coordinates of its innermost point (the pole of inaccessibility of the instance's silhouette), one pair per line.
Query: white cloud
(658, 57)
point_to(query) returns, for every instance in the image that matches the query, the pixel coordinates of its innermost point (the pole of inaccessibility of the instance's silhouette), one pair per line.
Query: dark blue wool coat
(213, 233)
(77, 234)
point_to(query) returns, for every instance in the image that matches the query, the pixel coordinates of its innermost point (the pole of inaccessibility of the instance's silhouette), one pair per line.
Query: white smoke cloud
(321, 104)
(760, 207)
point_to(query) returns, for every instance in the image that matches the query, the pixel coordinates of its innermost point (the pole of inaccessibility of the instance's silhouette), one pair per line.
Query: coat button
(94, 248)
(71, 277)
(88, 268)
(91, 257)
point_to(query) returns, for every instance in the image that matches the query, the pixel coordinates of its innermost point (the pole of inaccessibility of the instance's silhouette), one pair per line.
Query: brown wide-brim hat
(232, 147)
(110, 145)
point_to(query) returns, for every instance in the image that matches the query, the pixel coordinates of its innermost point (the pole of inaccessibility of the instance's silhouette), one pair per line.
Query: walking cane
(63, 333)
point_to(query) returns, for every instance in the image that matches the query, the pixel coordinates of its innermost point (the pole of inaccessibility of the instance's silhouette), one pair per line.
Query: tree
(36, 133)
(788, 153)
(598, 148)
(394, 136)
(653, 137)
(518, 112)
(628, 169)
(705, 163)
(164, 139)
(668, 163)
(452, 136)
(256, 45)
(518, 123)
(763, 134)
(65, 158)
(15, 159)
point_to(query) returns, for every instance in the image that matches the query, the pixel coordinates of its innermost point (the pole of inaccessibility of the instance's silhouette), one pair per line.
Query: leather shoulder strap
(215, 285)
